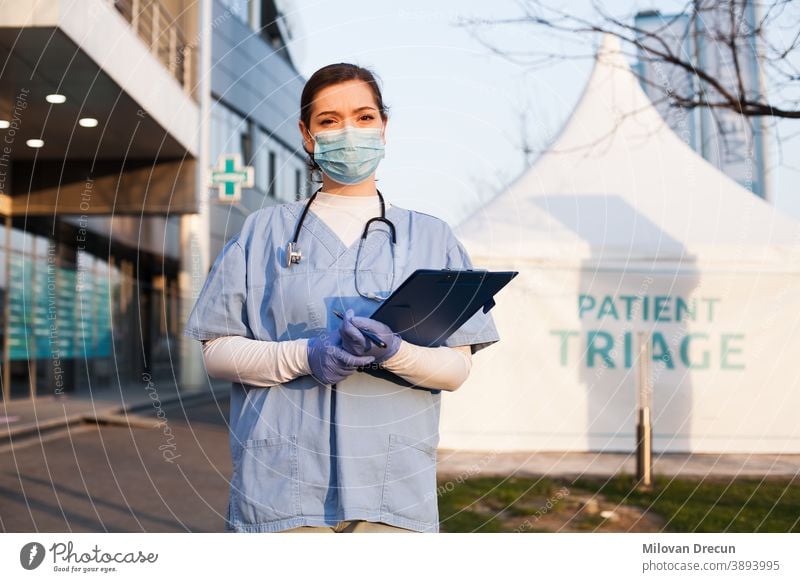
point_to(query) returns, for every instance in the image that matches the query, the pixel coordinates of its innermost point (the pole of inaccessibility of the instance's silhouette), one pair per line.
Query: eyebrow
(354, 111)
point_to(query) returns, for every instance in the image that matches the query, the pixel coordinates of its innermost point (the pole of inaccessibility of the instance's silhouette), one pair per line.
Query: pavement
(141, 458)
(24, 419)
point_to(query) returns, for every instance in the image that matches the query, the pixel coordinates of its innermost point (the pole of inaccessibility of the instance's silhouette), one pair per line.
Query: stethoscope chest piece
(293, 254)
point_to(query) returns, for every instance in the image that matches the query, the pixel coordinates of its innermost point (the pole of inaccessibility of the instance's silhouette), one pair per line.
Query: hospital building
(135, 137)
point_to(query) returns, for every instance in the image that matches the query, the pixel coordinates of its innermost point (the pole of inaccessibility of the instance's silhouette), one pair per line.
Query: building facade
(733, 143)
(99, 158)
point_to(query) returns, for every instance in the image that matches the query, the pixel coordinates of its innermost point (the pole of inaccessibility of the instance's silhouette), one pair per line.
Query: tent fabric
(621, 229)
(618, 184)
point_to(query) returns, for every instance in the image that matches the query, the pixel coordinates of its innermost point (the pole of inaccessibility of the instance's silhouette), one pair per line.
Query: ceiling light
(87, 122)
(4, 124)
(35, 143)
(55, 98)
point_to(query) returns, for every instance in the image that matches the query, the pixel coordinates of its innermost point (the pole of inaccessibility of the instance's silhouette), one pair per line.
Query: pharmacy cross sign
(230, 177)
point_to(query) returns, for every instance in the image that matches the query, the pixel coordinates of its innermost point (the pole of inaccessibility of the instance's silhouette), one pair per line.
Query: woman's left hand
(358, 344)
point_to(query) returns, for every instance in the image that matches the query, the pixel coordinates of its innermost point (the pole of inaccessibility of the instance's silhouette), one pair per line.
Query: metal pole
(644, 429)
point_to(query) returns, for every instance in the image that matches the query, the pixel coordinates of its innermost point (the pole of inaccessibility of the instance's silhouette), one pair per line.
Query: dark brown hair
(331, 75)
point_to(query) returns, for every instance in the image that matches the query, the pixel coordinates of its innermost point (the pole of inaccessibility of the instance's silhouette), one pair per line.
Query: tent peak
(610, 50)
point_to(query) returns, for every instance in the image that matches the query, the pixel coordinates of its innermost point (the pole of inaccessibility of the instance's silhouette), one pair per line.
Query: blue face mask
(350, 154)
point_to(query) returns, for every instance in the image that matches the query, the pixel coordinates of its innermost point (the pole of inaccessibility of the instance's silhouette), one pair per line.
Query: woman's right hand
(329, 362)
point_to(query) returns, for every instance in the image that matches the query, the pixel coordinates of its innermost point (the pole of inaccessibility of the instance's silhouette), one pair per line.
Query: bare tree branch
(739, 36)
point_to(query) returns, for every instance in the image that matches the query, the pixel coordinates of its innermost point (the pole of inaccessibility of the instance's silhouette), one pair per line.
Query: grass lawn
(516, 504)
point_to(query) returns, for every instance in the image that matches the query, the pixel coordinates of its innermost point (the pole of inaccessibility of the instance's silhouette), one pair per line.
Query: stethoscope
(293, 253)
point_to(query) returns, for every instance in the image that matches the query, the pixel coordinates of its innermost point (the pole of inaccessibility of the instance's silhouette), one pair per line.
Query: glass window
(246, 142)
(229, 133)
(273, 174)
(216, 132)
(21, 240)
(260, 163)
(238, 8)
(2, 262)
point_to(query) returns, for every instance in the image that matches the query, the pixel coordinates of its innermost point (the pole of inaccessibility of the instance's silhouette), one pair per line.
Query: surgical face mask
(350, 154)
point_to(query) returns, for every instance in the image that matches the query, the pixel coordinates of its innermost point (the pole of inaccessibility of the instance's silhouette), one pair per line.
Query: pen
(369, 334)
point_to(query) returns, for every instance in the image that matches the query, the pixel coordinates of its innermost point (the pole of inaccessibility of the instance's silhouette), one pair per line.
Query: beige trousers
(350, 526)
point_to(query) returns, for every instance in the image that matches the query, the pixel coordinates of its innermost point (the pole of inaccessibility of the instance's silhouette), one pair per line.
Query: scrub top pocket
(410, 479)
(266, 484)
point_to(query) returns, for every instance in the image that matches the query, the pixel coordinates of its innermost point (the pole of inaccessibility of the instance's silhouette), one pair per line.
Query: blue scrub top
(306, 453)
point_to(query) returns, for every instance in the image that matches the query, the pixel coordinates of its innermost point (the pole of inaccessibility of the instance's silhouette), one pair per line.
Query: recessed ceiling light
(87, 122)
(56, 98)
(35, 143)
(4, 124)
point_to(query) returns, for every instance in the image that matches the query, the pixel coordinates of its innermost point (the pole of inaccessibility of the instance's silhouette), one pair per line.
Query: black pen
(369, 334)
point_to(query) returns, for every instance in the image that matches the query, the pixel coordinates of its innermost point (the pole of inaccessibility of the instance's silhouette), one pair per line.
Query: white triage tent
(620, 227)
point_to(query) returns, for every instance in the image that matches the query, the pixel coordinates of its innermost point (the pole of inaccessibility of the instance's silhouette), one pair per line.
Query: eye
(326, 121)
(367, 116)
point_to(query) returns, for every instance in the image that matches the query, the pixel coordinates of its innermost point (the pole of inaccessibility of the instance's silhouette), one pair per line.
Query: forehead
(344, 97)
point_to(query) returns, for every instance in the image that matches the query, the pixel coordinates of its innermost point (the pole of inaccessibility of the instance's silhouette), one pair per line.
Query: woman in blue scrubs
(324, 446)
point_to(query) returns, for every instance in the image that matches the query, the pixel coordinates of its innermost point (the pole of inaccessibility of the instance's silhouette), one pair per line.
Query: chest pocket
(301, 304)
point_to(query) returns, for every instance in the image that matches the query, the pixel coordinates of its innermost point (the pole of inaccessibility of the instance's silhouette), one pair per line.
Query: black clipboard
(431, 304)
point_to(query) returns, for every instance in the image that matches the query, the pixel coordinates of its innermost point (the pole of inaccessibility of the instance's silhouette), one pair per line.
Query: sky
(458, 112)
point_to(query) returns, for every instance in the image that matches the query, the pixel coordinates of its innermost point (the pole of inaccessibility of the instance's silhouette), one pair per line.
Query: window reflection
(75, 322)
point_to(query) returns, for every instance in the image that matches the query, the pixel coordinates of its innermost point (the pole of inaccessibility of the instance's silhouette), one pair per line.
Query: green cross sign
(230, 176)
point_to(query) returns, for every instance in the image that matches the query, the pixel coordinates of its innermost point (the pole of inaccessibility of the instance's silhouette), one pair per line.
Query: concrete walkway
(22, 420)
